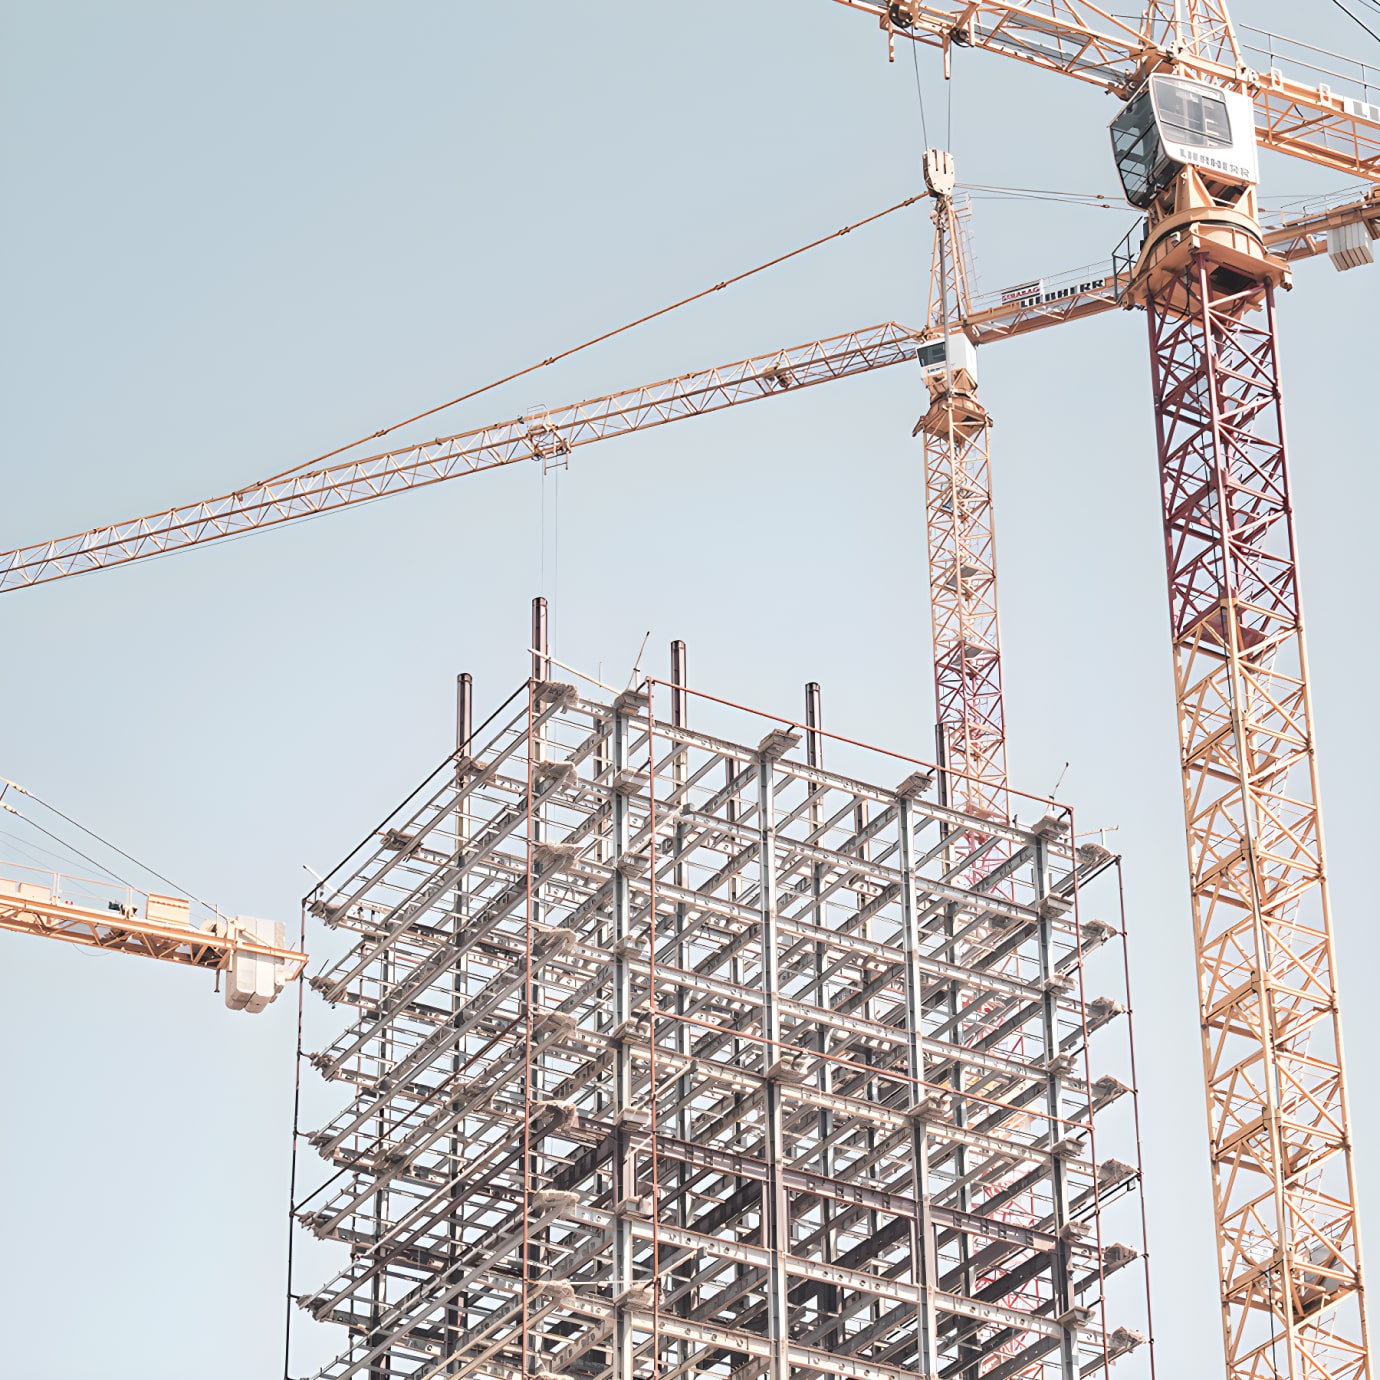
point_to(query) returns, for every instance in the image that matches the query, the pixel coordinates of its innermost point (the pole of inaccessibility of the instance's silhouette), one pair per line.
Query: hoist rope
(919, 91)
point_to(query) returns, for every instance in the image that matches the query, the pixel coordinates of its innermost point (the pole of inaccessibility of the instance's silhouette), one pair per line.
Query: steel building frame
(678, 1054)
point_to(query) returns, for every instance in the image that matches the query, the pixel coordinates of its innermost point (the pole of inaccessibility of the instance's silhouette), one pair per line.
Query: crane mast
(1292, 1292)
(958, 522)
(1279, 1133)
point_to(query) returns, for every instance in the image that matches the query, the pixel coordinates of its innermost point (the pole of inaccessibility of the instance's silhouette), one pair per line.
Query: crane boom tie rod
(600, 339)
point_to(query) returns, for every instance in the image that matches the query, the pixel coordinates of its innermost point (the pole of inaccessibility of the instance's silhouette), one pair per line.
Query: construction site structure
(1186, 149)
(1199, 103)
(714, 1049)
(1280, 1142)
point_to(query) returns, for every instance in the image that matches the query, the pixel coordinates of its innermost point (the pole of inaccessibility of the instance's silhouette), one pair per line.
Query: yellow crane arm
(255, 968)
(1081, 40)
(548, 436)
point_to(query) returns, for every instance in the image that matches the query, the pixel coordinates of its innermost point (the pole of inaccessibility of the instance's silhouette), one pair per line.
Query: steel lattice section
(1091, 44)
(674, 1054)
(963, 607)
(545, 436)
(970, 714)
(1282, 1175)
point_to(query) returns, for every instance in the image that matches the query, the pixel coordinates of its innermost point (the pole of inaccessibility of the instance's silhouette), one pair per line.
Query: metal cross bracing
(675, 1053)
(1290, 1266)
(1289, 1251)
(1278, 1121)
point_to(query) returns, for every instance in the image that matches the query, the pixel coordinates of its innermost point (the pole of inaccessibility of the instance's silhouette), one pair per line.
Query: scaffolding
(674, 1052)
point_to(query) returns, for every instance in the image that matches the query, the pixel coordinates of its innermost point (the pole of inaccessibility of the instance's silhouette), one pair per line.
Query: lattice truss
(1283, 1182)
(677, 1055)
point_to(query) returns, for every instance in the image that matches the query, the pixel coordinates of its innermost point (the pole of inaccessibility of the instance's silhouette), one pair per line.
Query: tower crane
(1185, 145)
(1206, 274)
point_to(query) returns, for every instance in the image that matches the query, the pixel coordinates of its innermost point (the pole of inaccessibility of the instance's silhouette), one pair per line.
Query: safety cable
(1356, 20)
(61, 842)
(104, 842)
(595, 340)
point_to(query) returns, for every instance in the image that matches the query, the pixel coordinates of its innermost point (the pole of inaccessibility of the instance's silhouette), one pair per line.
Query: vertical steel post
(679, 699)
(814, 756)
(456, 1310)
(775, 1219)
(680, 714)
(922, 1107)
(541, 650)
(624, 1161)
(1061, 1263)
(464, 713)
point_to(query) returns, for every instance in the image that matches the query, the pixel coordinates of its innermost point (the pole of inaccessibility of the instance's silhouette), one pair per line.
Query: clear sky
(235, 236)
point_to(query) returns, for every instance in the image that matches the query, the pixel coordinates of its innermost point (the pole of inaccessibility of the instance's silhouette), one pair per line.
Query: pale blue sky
(237, 235)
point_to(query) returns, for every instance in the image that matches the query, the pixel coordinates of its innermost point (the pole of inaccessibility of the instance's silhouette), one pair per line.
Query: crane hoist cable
(920, 92)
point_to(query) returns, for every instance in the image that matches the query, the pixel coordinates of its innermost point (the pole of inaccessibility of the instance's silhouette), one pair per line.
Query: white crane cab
(1185, 151)
(1174, 122)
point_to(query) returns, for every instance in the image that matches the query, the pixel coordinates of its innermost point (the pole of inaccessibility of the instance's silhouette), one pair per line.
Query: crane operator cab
(1172, 122)
(1186, 153)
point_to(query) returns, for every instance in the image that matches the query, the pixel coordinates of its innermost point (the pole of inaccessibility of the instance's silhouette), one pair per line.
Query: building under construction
(733, 1053)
